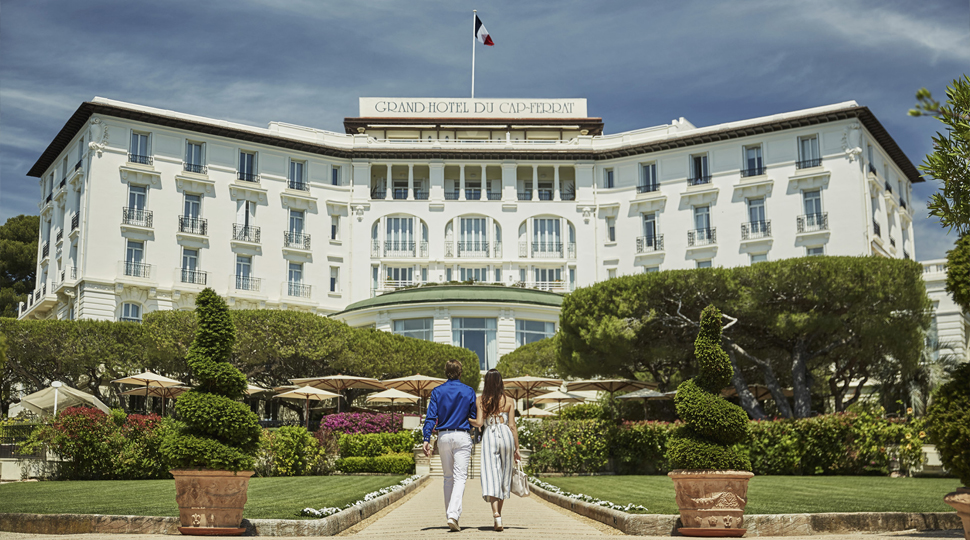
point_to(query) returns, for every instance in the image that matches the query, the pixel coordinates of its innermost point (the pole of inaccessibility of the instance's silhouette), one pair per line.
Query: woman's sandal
(498, 523)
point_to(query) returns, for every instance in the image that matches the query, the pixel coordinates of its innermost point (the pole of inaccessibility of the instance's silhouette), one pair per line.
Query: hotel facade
(141, 208)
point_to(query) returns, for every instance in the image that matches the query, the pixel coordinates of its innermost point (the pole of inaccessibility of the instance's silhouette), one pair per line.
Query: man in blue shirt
(450, 407)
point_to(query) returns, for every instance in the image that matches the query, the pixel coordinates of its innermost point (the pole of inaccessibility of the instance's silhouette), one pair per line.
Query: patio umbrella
(558, 398)
(166, 392)
(42, 403)
(608, 385)
(760, 392)
(536, 412)
(391, 395)
(515, 393)
(251, 389)
(147, 379)
(646, 395)
(307, 393)
(530, 384)
(420, 385)
(338, 383)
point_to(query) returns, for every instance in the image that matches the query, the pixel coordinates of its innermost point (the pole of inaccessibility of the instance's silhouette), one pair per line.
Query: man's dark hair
(453, 370)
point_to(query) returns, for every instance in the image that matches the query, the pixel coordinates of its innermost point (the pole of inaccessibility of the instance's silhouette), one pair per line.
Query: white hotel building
(141, 208)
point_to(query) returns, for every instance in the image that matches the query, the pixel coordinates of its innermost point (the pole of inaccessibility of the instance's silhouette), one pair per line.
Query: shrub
(362, 422)
(639, 448)
(569, 446)
(948, 422)
(218, 432)
(291, 451)
(399, 463)
(376, 444)
(585, 411)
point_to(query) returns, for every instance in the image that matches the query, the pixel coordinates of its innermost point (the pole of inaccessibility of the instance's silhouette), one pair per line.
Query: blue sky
(638, 63)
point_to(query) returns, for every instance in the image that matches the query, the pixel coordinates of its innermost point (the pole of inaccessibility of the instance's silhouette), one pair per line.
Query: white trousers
(455, 449)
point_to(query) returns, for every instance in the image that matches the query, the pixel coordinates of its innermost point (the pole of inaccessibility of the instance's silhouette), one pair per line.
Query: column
(509, 182)
(410, 181)
(555, 183)
(461, 182)
(535, 182)
(388, 183)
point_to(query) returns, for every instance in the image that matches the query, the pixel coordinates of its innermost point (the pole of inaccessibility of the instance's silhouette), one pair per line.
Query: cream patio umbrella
(391, 395)
(420, 385)
(252, 389)
(58, 396)
(608, 385)
(338, 383)
(307, 393)
(558, 398)
(646, 395)
(148, 379)
(164, 392)
(530, 384)
(536, 412)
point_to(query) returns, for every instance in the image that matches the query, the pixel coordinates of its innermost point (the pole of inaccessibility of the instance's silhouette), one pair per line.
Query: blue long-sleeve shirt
(450, 407)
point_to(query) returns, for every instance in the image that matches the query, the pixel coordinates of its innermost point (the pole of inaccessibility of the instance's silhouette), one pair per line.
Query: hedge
(400, 463)
(376, 444)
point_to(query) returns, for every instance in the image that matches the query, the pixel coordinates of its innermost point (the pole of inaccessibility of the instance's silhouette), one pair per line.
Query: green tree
(958, 272)
(948, 422)
(18, 261)
(538, 359)
(950, 160)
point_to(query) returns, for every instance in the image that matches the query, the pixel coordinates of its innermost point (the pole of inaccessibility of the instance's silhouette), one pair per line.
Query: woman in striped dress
(500, 443)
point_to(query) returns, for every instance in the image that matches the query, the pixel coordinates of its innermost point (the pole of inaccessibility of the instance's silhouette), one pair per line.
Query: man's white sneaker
(453, 524)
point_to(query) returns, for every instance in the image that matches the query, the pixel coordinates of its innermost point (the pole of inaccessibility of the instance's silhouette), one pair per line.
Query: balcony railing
(753, 171)
(421, 195)
(378, 194)
(130, 319)
(50, 197)
(889, 189)
(473, 249)
(756, 229)
(60, 235)
(525, 195)
(193, 225)
(813, 222)
(298, 185)
(246, 283)
(453, 195)
(646, 244)
(138, 217)
(494, 195)
(902, 204)
(137, 269)
(497, 249)
(62, 183)
(552, 250)
(808, 163)
(195, 168)
(648, 188)
(195, 277)
(702, 237)
(473, 194)
(144, 160)
(892, 241)
(245, 233)
(395, 284)
(546, 285)
(400, 194)
(296, 240)
(297, 289)
(75, 221)
(247, 177)
(401, 248)
(569, 195)
(545, 194)
(876, 228)
(872, 169)
(46, 250)
(699, 180)
(78, 165)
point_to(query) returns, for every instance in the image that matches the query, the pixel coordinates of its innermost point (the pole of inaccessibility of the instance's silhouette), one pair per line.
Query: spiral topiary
(217, 432)
(713, 427)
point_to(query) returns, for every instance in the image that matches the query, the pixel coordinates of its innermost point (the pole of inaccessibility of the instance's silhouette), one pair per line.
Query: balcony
(144, 160)
(648, 188)
(136, 269)
(808, 163)
(245, 233)
(421, 195)
(812, 223)
(45, 252)
(378, 194)
(400, 194)
(649, 244)
(136, 217)
(452, 195)
(62, 183)
(473, 194)
(297, 289)
(753, 171)
(75, 221)
(872, 169)
(192, 276)
(551, 286)
(699, 180)
(60, 235)
(195, 168)
(193, 225)
(525, 195)
(246, 283)
(545, 194)
(876, 228)
(247, 177)
(498, 250)
(892, 241)
(78, 165)
(298, 185)
(547, 250)
(754, 230)
(67, 274)
(889, 189)
(404, 249)
(473, 249)
(569, 195)
(702, 237)
(494, 195)
(296, 240)
(902, 204)
(49, 198)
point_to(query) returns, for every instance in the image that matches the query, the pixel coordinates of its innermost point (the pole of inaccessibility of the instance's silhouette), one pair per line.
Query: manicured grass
(269, 498)
(780, 494)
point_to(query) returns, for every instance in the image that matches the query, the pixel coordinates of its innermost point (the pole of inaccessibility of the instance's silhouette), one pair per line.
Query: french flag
(481, 33)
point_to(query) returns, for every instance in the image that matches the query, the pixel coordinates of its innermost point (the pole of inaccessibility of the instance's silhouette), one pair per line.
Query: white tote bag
(520, 482)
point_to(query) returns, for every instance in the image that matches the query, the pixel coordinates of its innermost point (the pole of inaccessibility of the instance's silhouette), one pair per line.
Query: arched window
(131, 312)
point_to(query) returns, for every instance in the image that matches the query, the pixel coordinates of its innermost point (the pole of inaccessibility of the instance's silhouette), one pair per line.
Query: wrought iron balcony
(245, 233)
(296, 240)
(569, 195)
(137, 269)
(452, 195)
(646, 244)
(552, 250)
(75, 221)
(808, 163)
(138, 217)
(498, 250)
(473, 249)
(753, 171)
(699, 180)
(195, 168)
(812, 222)
(246, 283)
(420, 195)
(473, 194)
(400, 194)
(62, 183)
(889, 189)
(193, 225)
(876, 228)
(247, 177)
(702, 237)
(756, 229)
(399, 248)
(50, 197)
(79, 164)
(545, 194)
(892, 241)
(195, 277)
(378, 194)
(902, 204)
(494, 195)
(144, 160)
(872, 169)
(648, 188)
(129, 319)
(298, 185)
(46, 250)
(525, 195)
(60, 235)
(297, 289)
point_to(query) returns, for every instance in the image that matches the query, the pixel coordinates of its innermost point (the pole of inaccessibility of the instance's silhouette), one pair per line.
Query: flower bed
(362, 423)
(629, 508)
(331, 510)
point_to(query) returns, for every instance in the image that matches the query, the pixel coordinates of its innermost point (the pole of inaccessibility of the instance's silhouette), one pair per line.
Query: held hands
(518, 456)
(427, 448)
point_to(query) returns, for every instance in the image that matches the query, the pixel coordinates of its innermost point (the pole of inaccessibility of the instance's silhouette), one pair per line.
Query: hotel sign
(471, 108)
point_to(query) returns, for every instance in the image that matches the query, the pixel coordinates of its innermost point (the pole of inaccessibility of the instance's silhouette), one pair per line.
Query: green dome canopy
(490, 294)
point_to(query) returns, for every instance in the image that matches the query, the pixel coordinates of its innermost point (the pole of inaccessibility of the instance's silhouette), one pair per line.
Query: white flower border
(331, 510)
(587, 498)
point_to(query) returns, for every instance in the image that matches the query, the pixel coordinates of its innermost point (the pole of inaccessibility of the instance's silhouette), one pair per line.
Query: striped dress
(498, 447)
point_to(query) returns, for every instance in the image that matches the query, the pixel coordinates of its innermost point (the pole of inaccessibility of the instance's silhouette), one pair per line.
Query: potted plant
(214, 447)
(711, 472)
(948, 424)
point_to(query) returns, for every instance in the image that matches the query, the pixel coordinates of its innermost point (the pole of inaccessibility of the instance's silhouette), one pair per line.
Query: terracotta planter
(960, 499)
(711, 502)
(211, 502)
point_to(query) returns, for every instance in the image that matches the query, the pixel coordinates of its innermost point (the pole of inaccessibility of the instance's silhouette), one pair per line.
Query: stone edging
(763, 524)
(103, 524)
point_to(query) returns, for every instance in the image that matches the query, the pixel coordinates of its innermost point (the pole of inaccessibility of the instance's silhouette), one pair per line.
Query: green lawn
(780, 494)
(269, 498)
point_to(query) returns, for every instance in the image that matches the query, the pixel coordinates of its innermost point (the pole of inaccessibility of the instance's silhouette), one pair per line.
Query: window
(473, 274)
(136, 197)
(477, 335)
(193, 204)
(335, 175)
(134, 259)
(545, 236)
(244, 266)
(498, 275)
(698, 170)
(702, 218)
(608, 179)
(399, 276)
(758, 257)
(190, 259)
(474, 236)
(531, 331)
(704, 264)
(334, 227)
(448, 276)
(400, 234)
(522, 275)
(813, 202)
(808, 155)
(753, 165)
(547, 276)
(650, 269)
(138, 151)
(757, 225)
(296, 222)
(648, 178)
(130, 312)
(193, 157)
(816, 250)
(611, 229)
(572, 279)
(246, 213)
(297, 179)
(415, 328)
(247, 167)
(295, 273)
(611, 273)
(650, 227)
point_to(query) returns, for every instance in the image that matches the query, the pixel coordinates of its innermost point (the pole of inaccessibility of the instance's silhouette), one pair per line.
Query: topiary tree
(218, 432)
(713, 426)
(958, 272)
(948, 423)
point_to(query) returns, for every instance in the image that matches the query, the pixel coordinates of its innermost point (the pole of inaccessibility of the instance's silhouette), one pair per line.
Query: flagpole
(474, 38)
